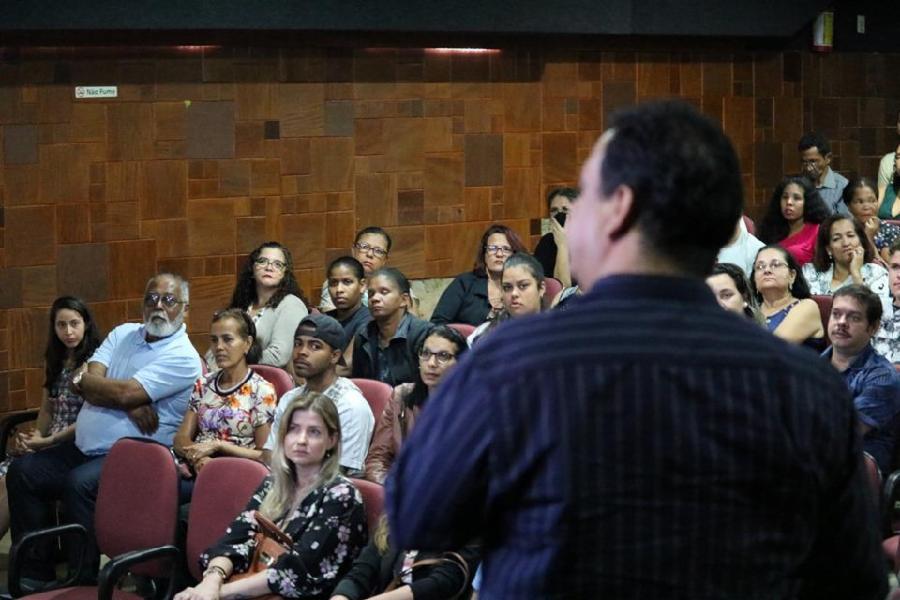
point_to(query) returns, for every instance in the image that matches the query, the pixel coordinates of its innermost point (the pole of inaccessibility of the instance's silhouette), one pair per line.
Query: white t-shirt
(356, 418)
(743, 251)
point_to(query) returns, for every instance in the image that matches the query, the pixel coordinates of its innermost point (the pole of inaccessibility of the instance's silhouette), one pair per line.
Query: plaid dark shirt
(643, 444)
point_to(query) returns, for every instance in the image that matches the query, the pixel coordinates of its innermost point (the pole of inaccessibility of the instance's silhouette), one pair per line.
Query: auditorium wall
(208, 151)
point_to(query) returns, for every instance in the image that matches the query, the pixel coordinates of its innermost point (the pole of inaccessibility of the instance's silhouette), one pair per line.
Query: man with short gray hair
(137, 384)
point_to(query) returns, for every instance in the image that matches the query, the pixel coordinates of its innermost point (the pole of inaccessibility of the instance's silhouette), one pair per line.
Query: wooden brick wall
(206, 154)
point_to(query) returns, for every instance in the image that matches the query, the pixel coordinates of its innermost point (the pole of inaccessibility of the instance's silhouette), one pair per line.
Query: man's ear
(624, 214)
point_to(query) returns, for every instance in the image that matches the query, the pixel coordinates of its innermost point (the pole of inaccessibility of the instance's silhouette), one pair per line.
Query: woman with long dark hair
(71, 340)
(476, 296)
(268, 291)
(732, 290)
(793, 217)
(308, 499)
(523, 293)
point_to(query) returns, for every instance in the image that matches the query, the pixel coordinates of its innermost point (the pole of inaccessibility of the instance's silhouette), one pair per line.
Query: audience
(741, 248)
(873, 381)
(784, 297)
(268, 291)
(136, 384)
(231, 410)
(552, 251)
(732, 291)
(317, 352)
(792, 218)
(523, 292)
(385, 349)
(815, 159)
(890, 200)
(371, 249)
(887, 339)
(347, 290)
(843, 256)
(438, 354)
(309, 500)
(887, 167)
(475, 297)
(860, 197)
(72, 338)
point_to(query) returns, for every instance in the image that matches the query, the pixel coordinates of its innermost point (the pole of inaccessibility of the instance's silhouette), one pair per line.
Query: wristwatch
(76, 380)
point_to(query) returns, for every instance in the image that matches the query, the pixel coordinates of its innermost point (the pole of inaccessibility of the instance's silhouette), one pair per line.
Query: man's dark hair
(814, 139)
(565, 192)
(869, 300)
(685, 177)
(375, 231)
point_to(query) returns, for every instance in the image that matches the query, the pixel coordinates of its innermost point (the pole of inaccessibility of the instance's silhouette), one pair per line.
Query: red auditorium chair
(277, 377)
(377, 394)
(135, 521)
(751, 226)
(222, 491)
(373, 501)
(824, 303)
(464, 329)
(552, 286)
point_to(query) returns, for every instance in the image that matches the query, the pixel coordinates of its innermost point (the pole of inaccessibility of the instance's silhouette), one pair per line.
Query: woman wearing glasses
(783, 293)
(267, 290)
(476, 296)
(438, 354)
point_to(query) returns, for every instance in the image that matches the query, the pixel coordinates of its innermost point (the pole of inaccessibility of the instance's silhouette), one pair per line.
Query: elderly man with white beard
(137, 384)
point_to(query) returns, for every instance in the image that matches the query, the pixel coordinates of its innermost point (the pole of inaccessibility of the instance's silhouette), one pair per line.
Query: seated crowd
(821, 236)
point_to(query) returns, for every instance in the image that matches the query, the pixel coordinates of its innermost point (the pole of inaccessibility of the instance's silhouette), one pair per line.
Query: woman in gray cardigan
(267, 290)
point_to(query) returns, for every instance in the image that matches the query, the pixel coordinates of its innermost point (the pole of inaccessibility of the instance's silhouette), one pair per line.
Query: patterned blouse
(328, 528)
(64, 404)
(887, 341)
(874, 276)
(232, 414)
(887, 233)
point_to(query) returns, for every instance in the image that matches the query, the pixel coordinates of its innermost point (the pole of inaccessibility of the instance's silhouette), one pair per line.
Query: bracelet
(215, 569)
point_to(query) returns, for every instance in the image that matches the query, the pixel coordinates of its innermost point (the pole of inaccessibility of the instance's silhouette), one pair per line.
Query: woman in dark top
(385, 349)
(308, 498)
(784, 298)
(552, 250)
(475, 297)
(346, 288)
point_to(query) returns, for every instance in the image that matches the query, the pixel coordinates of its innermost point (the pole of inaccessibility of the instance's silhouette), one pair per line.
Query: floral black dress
(328, 529)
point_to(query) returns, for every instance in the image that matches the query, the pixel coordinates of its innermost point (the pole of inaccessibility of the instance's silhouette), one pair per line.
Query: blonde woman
(308, 498)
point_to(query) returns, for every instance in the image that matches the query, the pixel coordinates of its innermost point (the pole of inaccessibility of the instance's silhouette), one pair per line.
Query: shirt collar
(672, 288)
(402, 332)
(830, 181)
(859, 362)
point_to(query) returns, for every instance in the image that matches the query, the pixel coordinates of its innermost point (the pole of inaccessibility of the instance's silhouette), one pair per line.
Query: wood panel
(202, 158)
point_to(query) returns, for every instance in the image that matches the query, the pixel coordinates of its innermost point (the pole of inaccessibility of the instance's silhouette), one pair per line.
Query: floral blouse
(329, 530)
(887, 233)
(874, 276)
(232, 414)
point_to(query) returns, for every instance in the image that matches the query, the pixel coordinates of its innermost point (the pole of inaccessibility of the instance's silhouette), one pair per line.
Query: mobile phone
(560, 218)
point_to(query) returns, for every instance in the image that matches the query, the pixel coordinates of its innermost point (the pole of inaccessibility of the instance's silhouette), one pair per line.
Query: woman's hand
(205, 590)
(871, 226)
(856, 262)
(200, 463)
(35, 441)
(559, 233)
(199, 450)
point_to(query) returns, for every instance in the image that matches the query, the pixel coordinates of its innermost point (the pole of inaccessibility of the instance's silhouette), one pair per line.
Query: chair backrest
(552, 286)
(277, 377)
(873, 477)
(751, 226)
(376, 393)
(373, 501)
(222, 491)
(137, 501)
(464, 329)
(824, 303)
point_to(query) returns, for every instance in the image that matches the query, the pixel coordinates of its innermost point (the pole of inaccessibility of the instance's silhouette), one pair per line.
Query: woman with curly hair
(268, 291)
(793, 217)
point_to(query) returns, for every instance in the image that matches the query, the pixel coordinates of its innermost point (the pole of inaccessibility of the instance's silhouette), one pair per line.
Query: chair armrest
(113, 571)
(10, 422)
(17, 556)
(890, 502)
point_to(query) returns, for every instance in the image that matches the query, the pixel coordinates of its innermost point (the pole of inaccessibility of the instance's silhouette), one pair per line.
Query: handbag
(271, 542)
(447, 557)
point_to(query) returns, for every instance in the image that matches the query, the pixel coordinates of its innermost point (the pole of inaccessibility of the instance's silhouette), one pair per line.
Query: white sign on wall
(96, 91)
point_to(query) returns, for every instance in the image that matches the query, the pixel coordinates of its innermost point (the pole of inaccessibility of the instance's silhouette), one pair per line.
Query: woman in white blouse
(844, 256)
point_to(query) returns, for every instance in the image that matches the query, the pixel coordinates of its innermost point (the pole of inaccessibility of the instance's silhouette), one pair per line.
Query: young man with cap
(318, 349)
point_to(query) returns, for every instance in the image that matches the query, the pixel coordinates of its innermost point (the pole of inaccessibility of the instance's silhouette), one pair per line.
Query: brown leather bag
(271, 542)
(448, 557)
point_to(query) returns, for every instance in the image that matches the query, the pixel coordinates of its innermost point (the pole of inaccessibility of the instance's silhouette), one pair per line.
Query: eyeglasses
(366, 248)
(443, 357)
(265, 262)
(775, 264)
(168, 300)
(498, 249)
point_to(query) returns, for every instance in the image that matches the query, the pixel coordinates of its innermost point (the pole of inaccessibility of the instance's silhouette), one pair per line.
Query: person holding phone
(552, 250)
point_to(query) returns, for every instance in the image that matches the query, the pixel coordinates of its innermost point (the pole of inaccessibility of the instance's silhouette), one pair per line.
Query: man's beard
(160, 329)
